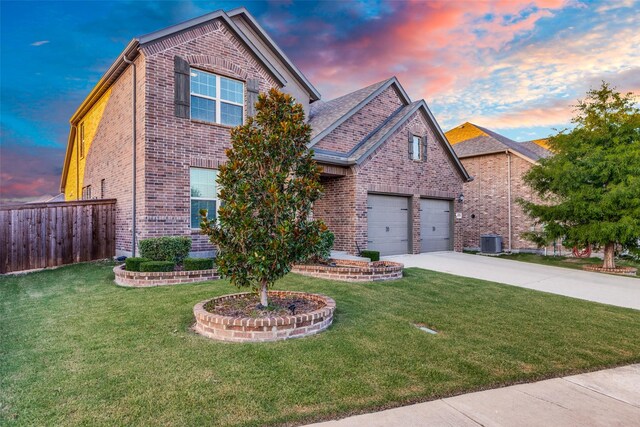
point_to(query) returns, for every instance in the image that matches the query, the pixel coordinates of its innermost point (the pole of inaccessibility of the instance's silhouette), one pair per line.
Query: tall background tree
(267, 189)
(590, 188)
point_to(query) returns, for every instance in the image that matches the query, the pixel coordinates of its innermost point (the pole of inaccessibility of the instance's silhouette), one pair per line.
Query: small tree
(590, 188)
(267, 188)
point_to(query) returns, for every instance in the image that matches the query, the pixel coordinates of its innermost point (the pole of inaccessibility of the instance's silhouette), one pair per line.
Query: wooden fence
(51, 234)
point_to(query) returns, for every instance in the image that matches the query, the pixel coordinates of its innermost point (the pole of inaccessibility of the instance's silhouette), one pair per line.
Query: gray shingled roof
(495, 143)
(324, 114)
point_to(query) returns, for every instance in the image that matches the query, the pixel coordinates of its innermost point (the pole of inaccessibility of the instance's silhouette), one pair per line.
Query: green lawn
(567, 262)
(77, 350)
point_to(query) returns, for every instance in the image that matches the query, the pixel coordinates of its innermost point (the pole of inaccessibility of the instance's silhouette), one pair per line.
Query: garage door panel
(388, 224)
(435, 225)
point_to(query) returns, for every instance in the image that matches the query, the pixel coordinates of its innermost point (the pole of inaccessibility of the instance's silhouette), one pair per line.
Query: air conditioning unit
(490, 243)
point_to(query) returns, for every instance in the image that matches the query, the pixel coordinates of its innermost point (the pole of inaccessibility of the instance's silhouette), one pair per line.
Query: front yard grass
(76, 349)
(567, 262)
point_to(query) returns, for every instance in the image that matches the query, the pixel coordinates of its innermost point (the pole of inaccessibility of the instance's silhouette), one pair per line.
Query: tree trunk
(609, 252)
(263, 293)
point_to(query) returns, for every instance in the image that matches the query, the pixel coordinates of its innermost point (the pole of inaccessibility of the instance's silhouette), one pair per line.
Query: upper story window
(204, 194)
(216, 99)
(416, 152)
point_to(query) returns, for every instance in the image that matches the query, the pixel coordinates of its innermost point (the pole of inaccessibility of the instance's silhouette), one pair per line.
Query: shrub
(372, 255)
(173, 249)
(197, 263)
(133, 263)
(154, 266)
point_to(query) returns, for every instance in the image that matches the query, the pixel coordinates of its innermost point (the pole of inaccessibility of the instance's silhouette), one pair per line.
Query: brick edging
(141, 279)
(621, 271)
(249, 329)
(353, 271)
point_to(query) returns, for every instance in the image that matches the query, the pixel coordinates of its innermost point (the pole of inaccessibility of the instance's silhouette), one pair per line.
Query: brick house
(153, 131)
(497, 165)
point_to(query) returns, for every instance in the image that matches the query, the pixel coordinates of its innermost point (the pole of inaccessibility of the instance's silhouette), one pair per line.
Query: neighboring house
(497, 165)
(391, 179)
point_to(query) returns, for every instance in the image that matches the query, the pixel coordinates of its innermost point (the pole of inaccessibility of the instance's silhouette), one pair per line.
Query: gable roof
(473, 140)
(132, 49)
(314, 95)
(367, 146)
(326, 116)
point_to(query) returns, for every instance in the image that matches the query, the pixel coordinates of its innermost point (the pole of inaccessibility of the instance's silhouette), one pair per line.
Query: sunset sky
(515, 67)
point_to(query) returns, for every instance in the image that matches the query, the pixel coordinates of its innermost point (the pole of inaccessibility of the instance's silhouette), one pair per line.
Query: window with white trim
(216, 99)
(204, 194)
(416, 151)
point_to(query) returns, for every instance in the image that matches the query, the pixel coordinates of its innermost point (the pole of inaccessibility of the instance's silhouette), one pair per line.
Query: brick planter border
(249, 329)
(141, 279)
(353, 271)
(622, 271)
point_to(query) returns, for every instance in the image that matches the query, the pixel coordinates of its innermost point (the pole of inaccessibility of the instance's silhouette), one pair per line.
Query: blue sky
(513, 66)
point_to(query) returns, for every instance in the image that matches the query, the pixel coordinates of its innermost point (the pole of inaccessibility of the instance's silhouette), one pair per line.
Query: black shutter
(424, 148)
(182, 96)
(410, 146)
(253, 88)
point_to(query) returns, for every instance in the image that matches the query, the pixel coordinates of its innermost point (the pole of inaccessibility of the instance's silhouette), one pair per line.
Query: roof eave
(110, 76)
(392, 81)
(67, 158)
(219, 14)
(314, 95)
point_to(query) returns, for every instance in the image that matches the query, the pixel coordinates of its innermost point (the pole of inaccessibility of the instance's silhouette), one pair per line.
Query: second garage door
(435, 225)
(388, 224)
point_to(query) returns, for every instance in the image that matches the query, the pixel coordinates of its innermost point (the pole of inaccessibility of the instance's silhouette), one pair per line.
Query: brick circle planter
(352, 271)
(623, 271)
(141, 279)
(249, 329)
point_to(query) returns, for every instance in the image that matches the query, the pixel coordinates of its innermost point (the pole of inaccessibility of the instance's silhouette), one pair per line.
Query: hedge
(372, 255)
(197, 264)
(173, 249)
(155, 266)
(133, 263)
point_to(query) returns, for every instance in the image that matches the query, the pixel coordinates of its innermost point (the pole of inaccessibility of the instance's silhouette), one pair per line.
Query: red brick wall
(110, 153)
(486, 198)
(389, 170)
(337, 209)
(173, 144)
(358, 126)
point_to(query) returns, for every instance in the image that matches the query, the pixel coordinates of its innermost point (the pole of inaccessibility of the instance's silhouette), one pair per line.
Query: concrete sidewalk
(605, 288)
(604, 398)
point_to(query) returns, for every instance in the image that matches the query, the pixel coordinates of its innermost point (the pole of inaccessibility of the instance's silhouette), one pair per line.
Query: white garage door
(388, 224)
(435, 225)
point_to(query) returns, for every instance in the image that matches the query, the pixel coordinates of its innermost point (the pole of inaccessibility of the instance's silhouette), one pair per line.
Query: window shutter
(253, 88)
(181, 87)
(424, 148)
(410, 146)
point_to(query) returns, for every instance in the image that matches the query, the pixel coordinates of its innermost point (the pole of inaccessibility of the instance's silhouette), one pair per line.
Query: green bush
(197, 263)
(372, 255)
(173, 249)
(133, 263)
(154, 266)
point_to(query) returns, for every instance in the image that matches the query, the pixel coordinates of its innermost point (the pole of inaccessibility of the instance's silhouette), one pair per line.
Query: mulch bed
(249, 306)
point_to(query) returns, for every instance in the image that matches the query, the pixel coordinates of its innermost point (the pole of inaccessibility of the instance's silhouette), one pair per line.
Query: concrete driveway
(604, 288)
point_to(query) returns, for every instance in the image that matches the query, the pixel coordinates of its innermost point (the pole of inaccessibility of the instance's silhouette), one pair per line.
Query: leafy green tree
(267, 188)
(590, 188)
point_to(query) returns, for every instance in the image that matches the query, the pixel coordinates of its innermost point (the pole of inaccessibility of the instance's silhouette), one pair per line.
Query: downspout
(509, 195)
(77, 162)
(133, 168)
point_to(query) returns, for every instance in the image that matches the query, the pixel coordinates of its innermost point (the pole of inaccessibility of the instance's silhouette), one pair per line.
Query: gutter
(133, 160)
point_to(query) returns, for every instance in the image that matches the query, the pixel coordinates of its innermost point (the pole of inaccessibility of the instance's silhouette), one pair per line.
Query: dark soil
(249, 306)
